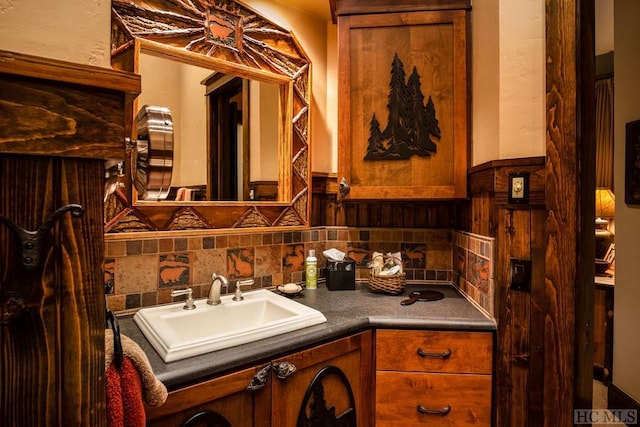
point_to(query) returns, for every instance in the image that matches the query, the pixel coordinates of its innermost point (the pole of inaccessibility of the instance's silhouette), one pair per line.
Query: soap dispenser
(311, 266)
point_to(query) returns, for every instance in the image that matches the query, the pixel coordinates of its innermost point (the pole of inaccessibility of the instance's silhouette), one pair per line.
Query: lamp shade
(605, 203)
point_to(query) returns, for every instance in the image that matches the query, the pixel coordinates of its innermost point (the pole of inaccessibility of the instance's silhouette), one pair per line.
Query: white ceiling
(318, 8)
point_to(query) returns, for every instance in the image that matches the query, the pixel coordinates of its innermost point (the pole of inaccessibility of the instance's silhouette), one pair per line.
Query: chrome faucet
(238, 295)
(218, 281)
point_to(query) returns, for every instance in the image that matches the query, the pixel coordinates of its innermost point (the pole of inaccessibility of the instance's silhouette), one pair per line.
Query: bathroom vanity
(366, 337)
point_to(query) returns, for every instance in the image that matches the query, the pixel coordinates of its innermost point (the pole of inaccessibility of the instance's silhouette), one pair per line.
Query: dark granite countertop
(347, 312)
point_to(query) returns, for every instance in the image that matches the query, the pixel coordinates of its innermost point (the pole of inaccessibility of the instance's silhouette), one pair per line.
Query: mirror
(238, 55)
(226, 130)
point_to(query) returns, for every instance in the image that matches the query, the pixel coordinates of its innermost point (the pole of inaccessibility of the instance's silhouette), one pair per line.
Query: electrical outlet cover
(521, 275)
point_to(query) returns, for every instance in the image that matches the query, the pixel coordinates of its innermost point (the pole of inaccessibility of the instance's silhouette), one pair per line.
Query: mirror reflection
(230, 38)
(226, 130)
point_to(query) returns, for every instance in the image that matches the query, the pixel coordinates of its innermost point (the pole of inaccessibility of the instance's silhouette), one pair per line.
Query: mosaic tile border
(144, 271)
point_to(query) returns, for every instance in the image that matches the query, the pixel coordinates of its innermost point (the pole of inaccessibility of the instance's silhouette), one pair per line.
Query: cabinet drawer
(399, 395)
(434, 351)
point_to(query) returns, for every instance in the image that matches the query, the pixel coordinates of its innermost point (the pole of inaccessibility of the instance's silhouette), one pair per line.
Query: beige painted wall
(263, 132)
(604, 26)
(626, 341)
(508, 80)
(72, 30)
(178, 88)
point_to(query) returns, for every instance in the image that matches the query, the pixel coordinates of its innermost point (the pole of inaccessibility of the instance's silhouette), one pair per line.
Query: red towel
(130, 387)
(124, 396)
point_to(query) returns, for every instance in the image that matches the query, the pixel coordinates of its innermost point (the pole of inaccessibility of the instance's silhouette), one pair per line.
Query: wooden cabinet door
(351, 356)
(403, 105)
(227, 397)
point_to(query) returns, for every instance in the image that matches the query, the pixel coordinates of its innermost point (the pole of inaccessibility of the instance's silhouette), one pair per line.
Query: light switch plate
(518, 188)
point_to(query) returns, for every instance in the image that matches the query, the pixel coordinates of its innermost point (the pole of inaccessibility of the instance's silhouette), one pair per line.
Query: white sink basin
(176, 333)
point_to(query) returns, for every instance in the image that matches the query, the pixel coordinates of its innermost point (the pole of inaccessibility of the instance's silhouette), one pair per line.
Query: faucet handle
(188, 303)
(238, 295)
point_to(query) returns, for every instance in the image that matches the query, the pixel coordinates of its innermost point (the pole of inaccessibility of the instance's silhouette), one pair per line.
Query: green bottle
(311, 265)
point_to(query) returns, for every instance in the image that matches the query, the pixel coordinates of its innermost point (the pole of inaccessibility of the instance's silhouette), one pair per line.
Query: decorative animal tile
(359, 252)
(293, 257)
(174, 270)
(481, 274)
(240, 262)
(414, 255)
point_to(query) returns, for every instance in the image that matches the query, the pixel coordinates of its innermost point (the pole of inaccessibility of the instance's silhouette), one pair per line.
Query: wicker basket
(392, 285)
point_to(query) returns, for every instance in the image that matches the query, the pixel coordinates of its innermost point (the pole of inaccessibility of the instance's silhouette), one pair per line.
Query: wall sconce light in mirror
(152, 161)
(605, 246)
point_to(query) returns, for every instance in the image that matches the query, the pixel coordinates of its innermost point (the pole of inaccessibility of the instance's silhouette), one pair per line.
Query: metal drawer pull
(444, 355)
(443, 411)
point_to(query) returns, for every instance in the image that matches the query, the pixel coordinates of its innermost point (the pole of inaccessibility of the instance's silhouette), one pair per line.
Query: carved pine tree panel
(403, 107)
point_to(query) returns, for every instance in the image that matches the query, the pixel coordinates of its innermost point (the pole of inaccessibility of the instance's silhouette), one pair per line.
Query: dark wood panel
(328, 211)
(68, 72)
(520, 233)
(538, 318)
(60, 120)
(493, 177)
(80, 115)
(352, 355)
(569, 187)
(53, 350)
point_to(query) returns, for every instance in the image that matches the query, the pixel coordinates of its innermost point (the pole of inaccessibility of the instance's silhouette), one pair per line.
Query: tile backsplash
(144, 271)
(474, 260)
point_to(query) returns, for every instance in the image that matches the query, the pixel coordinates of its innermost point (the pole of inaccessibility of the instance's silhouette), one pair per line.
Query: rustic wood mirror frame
(228, 37)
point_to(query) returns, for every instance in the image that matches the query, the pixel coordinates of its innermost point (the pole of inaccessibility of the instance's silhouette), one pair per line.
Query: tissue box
(341, 275)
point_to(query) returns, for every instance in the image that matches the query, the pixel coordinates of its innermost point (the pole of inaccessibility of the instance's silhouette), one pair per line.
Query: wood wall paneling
(327, 210)
(519, 231)
(59, 122)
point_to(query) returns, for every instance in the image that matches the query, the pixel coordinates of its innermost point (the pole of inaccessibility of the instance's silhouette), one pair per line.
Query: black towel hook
(118, 355)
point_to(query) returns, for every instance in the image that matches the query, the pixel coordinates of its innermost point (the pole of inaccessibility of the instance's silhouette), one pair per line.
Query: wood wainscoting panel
(519, 234)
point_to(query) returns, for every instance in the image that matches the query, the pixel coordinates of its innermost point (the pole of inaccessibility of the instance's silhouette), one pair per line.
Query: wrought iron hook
(344, 188)
(30, 242)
